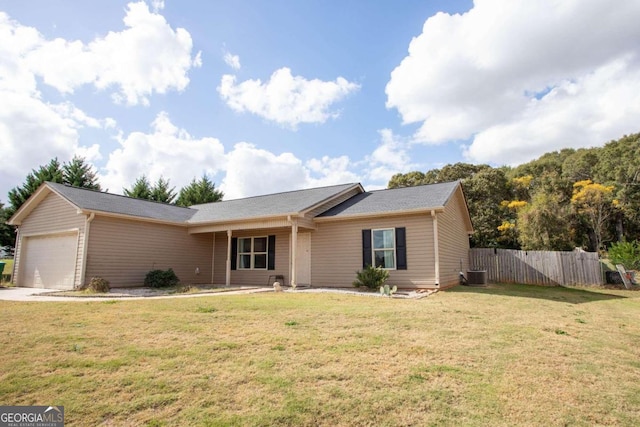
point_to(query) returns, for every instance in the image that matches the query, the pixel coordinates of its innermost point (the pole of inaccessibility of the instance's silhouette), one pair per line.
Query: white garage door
(48, 261)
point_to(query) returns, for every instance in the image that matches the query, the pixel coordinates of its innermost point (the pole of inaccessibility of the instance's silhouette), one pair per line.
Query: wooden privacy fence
(537, 267)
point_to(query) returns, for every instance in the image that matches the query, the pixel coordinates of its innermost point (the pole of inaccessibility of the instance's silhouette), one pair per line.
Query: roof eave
(379, 214)
(470, 229)
(241, 220)
(133, 217)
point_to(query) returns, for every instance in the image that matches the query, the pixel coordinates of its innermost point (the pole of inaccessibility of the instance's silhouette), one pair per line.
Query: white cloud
(253, 171)
(521, 78)
(166, 151)
(389, 158)
(157, 5)
(33, 132)
(285, 99)
(331, 171)
(232, 61)
(246, 169)
(591, 110)
(147, 57)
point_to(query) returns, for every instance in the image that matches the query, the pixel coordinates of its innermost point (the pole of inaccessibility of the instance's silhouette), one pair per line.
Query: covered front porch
(260, 252)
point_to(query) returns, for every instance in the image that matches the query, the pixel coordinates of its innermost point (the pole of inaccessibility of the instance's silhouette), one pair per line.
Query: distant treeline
(571, 198)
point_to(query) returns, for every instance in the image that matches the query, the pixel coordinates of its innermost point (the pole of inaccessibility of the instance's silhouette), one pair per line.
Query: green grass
(500, 356)
(170, 290)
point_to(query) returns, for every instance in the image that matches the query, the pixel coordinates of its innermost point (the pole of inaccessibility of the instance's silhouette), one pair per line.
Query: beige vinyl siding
(253, 277)
(453, 240)
(220, 259)
(335, 202)
(124, 251)
(54, 215)
(336, 251)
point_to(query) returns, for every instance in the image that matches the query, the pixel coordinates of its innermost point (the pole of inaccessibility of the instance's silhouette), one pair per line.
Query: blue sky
(267, 96)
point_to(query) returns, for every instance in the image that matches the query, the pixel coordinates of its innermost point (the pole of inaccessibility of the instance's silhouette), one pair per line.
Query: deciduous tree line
(586, 198)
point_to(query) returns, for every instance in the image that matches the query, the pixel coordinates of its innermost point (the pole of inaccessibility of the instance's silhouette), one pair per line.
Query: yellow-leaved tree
(596, 202)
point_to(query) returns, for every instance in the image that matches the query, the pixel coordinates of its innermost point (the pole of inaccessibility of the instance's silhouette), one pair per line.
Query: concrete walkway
(125, 294)
(35, 294)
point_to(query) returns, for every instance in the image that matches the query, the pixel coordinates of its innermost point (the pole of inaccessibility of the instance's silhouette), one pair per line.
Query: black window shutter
(271, 255)
(366, 248)
(401, 248)
(234, 253)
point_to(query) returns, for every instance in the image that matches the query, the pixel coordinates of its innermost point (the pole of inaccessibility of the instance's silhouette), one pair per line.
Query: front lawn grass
(148, 292)
(500, 356)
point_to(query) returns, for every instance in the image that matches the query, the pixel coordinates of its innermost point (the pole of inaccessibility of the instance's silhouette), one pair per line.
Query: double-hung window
(252, 253)
(384, 248)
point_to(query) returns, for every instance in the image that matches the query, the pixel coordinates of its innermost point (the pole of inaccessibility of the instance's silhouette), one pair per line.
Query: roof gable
(95, 201)
(422, 197)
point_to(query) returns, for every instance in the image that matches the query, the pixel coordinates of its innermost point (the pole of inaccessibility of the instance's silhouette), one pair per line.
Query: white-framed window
(384, 248)
(252, 253)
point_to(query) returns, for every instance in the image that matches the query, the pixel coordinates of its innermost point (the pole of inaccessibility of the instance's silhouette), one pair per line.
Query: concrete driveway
(35, 294)
(23, 294)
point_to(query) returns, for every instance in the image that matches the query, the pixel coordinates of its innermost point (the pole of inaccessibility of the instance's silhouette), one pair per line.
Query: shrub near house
(161, 279)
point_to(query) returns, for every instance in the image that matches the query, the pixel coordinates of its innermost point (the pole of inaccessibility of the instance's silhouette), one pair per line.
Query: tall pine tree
(51, 172)
(162, 191)
(199, 192)
(78, 173)
(141, 189)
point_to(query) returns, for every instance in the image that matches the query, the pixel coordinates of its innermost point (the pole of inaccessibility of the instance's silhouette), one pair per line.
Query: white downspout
(294, 248)
(213, 257)
(85, 248)
(15, 255)
(228, 277)
(436, 246)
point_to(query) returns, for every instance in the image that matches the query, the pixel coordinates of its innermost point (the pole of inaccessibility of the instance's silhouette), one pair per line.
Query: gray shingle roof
(397, 199)
(267, 205)
(381, 201)
(112, 203)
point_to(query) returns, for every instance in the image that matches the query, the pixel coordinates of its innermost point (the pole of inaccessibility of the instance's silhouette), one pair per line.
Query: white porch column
(294, 247)
(228, 278)
(85, 245)
(436, 245)
(213, 259)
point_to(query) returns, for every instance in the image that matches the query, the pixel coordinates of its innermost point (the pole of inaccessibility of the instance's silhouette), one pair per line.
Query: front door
(303, 259)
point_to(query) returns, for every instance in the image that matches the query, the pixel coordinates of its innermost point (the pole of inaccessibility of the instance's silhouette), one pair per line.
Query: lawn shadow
(552, 293)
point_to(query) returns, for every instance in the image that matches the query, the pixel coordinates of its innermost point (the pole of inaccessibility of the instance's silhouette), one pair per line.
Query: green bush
(98, 284)
(371, 277)
(161, 278)
(626, 253)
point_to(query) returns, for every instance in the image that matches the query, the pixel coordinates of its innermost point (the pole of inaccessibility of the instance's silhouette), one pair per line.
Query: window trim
(252, 253)
(394, 248)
